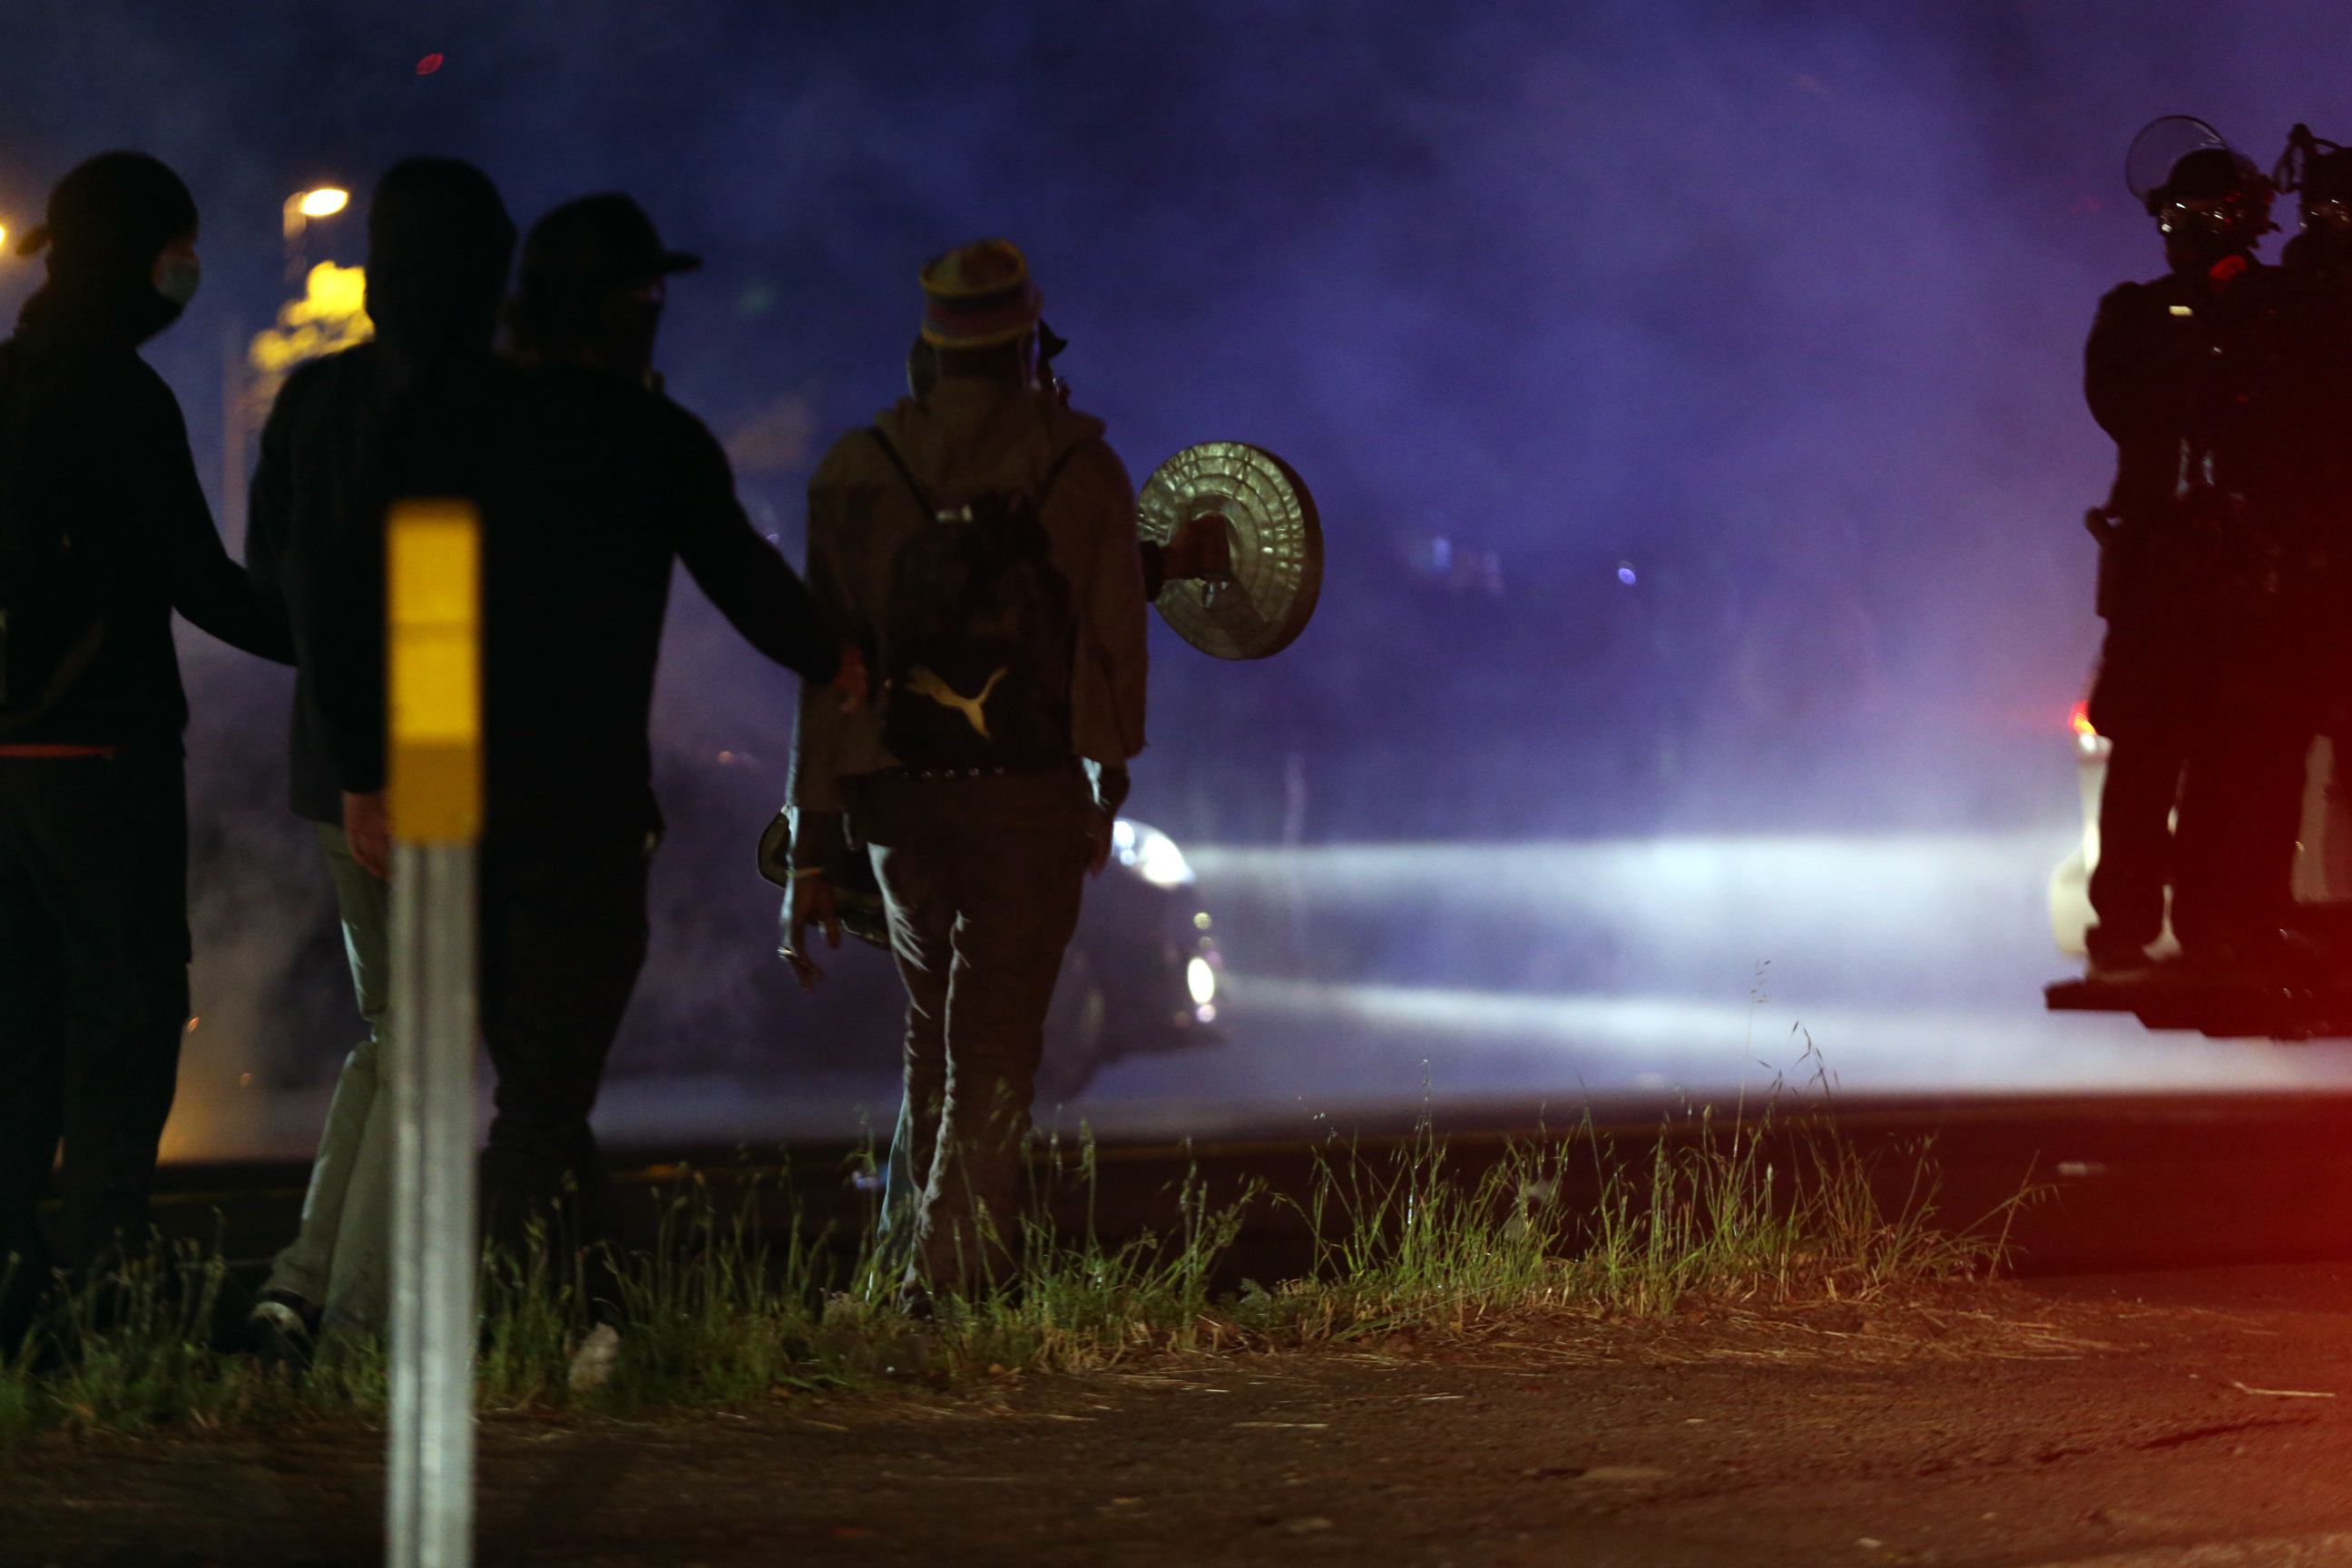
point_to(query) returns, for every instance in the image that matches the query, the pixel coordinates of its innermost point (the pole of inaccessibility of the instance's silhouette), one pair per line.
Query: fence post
(434, 604)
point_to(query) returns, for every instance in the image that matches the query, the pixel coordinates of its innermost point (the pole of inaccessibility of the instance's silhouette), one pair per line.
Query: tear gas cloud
(1690, 390)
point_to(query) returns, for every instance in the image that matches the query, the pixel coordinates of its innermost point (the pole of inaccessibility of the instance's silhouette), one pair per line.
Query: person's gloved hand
(1200, 550)
(813, 903)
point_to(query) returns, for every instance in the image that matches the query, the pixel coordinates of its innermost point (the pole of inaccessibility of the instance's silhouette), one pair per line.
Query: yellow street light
(303, 205)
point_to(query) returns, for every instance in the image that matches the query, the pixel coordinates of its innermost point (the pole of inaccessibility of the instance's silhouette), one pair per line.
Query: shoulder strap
(923, 501)
(931, 513)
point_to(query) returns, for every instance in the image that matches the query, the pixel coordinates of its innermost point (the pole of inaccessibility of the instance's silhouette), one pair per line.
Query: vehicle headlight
(1201, 980)
(1150, 854)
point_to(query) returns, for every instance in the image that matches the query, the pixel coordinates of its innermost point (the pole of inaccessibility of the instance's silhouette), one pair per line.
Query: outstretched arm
(210, 589)
(743, 575)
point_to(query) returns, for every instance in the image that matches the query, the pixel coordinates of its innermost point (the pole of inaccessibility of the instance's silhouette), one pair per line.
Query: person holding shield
(978, 542)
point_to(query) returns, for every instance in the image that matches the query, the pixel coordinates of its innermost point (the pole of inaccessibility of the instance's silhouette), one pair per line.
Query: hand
(1110, 787)
(850, 681)
(1200, 549)
(813, 903)
(367, 826)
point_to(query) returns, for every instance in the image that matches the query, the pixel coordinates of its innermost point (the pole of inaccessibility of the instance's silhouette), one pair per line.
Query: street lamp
(244, 399)
(303, 205)
(323, 201)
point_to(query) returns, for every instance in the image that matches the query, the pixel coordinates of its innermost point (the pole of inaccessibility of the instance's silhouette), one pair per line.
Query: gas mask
(2211, 225)
(2330, 216)
(2321, 171)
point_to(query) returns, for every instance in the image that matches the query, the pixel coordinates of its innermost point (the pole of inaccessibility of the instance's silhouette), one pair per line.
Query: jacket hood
(106, 223)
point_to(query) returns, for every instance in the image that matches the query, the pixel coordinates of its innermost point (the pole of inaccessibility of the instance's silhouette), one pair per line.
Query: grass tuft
(1770, 1209)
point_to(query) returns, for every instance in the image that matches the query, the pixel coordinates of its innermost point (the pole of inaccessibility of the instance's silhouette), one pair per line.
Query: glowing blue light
(1626, 572)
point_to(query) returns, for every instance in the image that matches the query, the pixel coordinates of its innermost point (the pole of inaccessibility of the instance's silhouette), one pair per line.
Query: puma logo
(923, 683)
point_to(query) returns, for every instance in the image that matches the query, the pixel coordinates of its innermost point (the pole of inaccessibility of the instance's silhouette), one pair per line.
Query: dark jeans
(983, 879)
(93, 1000)
(563, 936)
(2238, 782)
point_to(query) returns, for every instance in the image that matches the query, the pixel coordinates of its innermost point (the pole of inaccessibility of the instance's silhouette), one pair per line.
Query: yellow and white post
(433, 593)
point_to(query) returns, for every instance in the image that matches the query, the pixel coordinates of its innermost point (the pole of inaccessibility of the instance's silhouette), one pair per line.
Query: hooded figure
(591, 486)
(104, 534)
(439, 246)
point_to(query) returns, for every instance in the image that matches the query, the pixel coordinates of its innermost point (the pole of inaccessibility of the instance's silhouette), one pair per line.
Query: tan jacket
(966, 437)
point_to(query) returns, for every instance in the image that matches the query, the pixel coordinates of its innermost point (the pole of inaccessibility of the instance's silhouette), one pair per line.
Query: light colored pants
(341, 1260)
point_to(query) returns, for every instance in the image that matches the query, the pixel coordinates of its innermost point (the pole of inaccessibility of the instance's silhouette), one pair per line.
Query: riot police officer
(2315, 433)
(2195, 687)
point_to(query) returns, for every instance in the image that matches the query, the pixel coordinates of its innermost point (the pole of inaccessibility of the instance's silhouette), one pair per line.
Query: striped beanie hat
(978, 295)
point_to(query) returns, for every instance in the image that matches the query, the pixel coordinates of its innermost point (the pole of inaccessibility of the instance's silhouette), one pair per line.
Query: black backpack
(979, 637)
(50, 627)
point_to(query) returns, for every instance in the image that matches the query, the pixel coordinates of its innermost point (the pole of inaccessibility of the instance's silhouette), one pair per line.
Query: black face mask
(118, 304)
(2329, 218)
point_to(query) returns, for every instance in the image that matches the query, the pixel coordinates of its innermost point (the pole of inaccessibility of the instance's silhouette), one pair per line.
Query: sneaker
(592, 1365)
(282, 1329)
(914, 1302)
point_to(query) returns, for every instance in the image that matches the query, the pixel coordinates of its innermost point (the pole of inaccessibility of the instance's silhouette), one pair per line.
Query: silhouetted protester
(439, 246)
(104, 534)
(2195, 687)
(978, 543)
(590, 481)
(2316, 440)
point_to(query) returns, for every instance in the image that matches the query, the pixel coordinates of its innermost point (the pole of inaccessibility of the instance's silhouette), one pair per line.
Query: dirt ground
(2117, 1419)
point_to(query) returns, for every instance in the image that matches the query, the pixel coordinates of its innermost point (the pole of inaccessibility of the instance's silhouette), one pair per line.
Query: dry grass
(1745, 1218)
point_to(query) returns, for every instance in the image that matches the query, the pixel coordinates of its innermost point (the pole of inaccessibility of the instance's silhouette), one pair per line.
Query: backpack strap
(931, 513)
(923, 501)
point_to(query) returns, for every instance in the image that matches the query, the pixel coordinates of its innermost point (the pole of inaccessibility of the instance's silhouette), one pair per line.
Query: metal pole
(434, 601)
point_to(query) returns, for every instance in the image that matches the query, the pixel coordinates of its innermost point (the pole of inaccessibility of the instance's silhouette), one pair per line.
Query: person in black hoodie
(590, 483)
(439, 246)
(104, 534)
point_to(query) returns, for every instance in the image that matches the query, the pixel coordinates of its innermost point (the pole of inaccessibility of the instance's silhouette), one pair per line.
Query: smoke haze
(1690, 390)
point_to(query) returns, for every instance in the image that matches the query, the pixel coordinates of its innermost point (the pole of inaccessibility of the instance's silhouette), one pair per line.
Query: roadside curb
(2302, 1552)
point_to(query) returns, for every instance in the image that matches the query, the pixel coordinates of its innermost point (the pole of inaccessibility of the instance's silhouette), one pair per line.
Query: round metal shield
(1277, 547)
